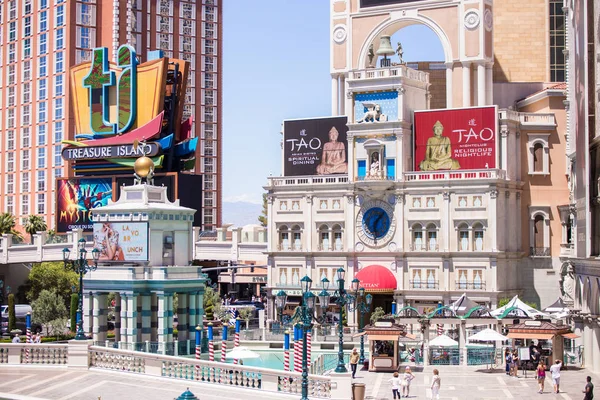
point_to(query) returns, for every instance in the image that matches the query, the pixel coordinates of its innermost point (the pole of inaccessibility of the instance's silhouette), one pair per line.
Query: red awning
(377, 278)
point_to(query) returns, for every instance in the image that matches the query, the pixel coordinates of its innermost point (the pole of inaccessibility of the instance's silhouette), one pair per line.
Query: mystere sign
(116, 151)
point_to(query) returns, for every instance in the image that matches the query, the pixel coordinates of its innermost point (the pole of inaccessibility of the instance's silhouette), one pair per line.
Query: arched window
(337, 238)
(463, 237)
(538, 157)
(284, 238)
(432, 243)
(539, 228)
(324, 240)
(297, 238)
(478, 237)
(538, 232)
(417, 237)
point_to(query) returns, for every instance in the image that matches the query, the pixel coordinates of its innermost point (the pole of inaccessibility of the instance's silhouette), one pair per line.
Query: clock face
(375, 223)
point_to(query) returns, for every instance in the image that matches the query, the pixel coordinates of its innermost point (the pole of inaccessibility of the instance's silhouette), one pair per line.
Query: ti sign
(98, 81)
(103, 152)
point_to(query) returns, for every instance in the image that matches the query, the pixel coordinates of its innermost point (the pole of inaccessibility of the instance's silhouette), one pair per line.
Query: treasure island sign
(122, 111)
(119, 104)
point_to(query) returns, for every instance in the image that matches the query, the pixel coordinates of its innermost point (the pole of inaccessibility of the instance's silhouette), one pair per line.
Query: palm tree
(34, 224)
(7, 226)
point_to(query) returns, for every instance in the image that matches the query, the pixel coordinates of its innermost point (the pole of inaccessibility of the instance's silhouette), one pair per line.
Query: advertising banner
(455, 139)
(315, 146)
(121, 241)
(75, 199)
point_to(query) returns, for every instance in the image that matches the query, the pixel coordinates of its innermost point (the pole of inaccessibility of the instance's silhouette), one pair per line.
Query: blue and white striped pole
(198, 348)
(28, 326)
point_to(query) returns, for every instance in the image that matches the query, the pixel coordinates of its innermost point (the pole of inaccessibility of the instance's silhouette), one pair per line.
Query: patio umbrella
(242, 352)
(488, 335)
(443, 341)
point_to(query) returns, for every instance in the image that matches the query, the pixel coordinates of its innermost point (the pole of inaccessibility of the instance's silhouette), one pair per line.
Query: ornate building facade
(421, 205)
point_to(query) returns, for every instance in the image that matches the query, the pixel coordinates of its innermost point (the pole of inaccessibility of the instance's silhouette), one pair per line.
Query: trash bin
(358, 391)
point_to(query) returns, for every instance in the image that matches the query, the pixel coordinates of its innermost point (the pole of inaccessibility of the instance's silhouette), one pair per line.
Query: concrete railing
(220, 376)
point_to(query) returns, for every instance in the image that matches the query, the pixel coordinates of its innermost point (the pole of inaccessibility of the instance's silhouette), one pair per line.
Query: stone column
(489, 84)
(193, 321)
(124, 319)
(462, 341)
(99, 323)
(117, 317)
(308, 229)
(426, 346)
(481, 80)
(466, 69)
(504, 148)
(588, 340)
(449, 78)
(132, 331)
(163, 317)
(146, 301)
(341, 101)
(199, 308)
(153, 317)
(334, 95)
(492, 231)
(182, 317)
(349, 231)
(87, 312)
(595, 366)
(349, 107)
(446, 222)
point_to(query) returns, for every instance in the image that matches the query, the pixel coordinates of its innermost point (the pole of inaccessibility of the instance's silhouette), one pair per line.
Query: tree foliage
(245, 314)
(73, 311)
(51, 276)
(377, 315)
(12, 320)
(34, 224)
(210, 299)
(263, 217)
(7, 225)
(50, 311)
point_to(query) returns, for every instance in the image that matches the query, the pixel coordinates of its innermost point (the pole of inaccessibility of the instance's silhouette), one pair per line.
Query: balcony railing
(424, 285)
(469, 285)
(311, 180)
(288, 247)
(539, 251)
(395, 71)
(460, 175)
(328, 247)
(424, 247)
(375, 178)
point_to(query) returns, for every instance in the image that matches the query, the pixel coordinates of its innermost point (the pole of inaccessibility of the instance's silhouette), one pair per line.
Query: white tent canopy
(242, 352)
(443, 341)
(463, 305)
(487, 335)
(523, 309)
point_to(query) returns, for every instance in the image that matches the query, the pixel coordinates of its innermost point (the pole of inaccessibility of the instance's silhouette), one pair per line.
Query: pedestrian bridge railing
(82, 354)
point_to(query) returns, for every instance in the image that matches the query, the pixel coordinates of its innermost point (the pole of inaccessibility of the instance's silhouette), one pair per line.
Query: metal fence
(327, 362)
(483, 356)
(445, 356)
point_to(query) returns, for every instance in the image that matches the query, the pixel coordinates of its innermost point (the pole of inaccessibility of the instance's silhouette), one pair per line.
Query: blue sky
(276, 67)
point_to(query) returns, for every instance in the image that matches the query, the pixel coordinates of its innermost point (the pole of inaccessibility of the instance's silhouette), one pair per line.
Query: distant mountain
(241, 213)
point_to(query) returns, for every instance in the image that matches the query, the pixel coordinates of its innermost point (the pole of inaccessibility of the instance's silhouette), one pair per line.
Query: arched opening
(297, 238)
(538, 157)
(324, 239)
(478, 237)
(284, 238)
(538, 232)
(337, 238)
(432, 243)
(417, 237)
(463, 237)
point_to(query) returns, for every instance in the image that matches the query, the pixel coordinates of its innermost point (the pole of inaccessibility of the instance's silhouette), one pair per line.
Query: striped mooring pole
(211, 346)
(236, 339)
(224, 344)
(198, 348)
(297, 350)
(286, 356)
(28, 326)
(308, 347)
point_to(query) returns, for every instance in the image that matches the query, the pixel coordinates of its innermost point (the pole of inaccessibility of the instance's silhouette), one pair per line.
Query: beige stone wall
(437, 78)
(521, 41)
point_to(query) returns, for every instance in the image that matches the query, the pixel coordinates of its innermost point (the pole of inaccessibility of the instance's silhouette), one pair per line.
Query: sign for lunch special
(121, 241)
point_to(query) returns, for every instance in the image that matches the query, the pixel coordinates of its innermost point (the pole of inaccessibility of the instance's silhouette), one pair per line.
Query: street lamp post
(343, 299)
(305, 315)
(363, 306)
(280, 300)
(80, 266)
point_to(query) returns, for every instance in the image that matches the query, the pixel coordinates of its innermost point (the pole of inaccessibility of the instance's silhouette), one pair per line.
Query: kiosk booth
(384, 337)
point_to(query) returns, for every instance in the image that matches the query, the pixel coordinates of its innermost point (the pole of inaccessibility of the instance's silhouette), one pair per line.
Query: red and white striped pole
(308, 347)
(440, 329)
(297, 351)
(236, 339)
(286, 356)
(198, 348)
(224, 343)
(211, 346)
(28, 325)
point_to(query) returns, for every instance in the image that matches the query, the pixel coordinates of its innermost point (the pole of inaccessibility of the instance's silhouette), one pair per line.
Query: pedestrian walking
(395, 381)
(508, 359)
(515, 364)
(354, 362)
(406, 379)
(589, 389)
(435, 385)
(540, 373)
(555, 373)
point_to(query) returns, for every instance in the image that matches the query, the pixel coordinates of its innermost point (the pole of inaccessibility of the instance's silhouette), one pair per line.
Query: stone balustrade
(34, 353)
(81, 354)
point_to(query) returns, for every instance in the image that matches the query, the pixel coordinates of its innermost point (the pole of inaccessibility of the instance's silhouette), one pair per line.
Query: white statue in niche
(373, 113)
(375, 169)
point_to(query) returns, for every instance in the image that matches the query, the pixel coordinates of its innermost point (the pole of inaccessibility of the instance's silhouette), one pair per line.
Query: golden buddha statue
(438, 154)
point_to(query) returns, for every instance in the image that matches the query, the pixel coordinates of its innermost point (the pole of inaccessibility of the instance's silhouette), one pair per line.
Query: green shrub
(73, 311)
(12, 320)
